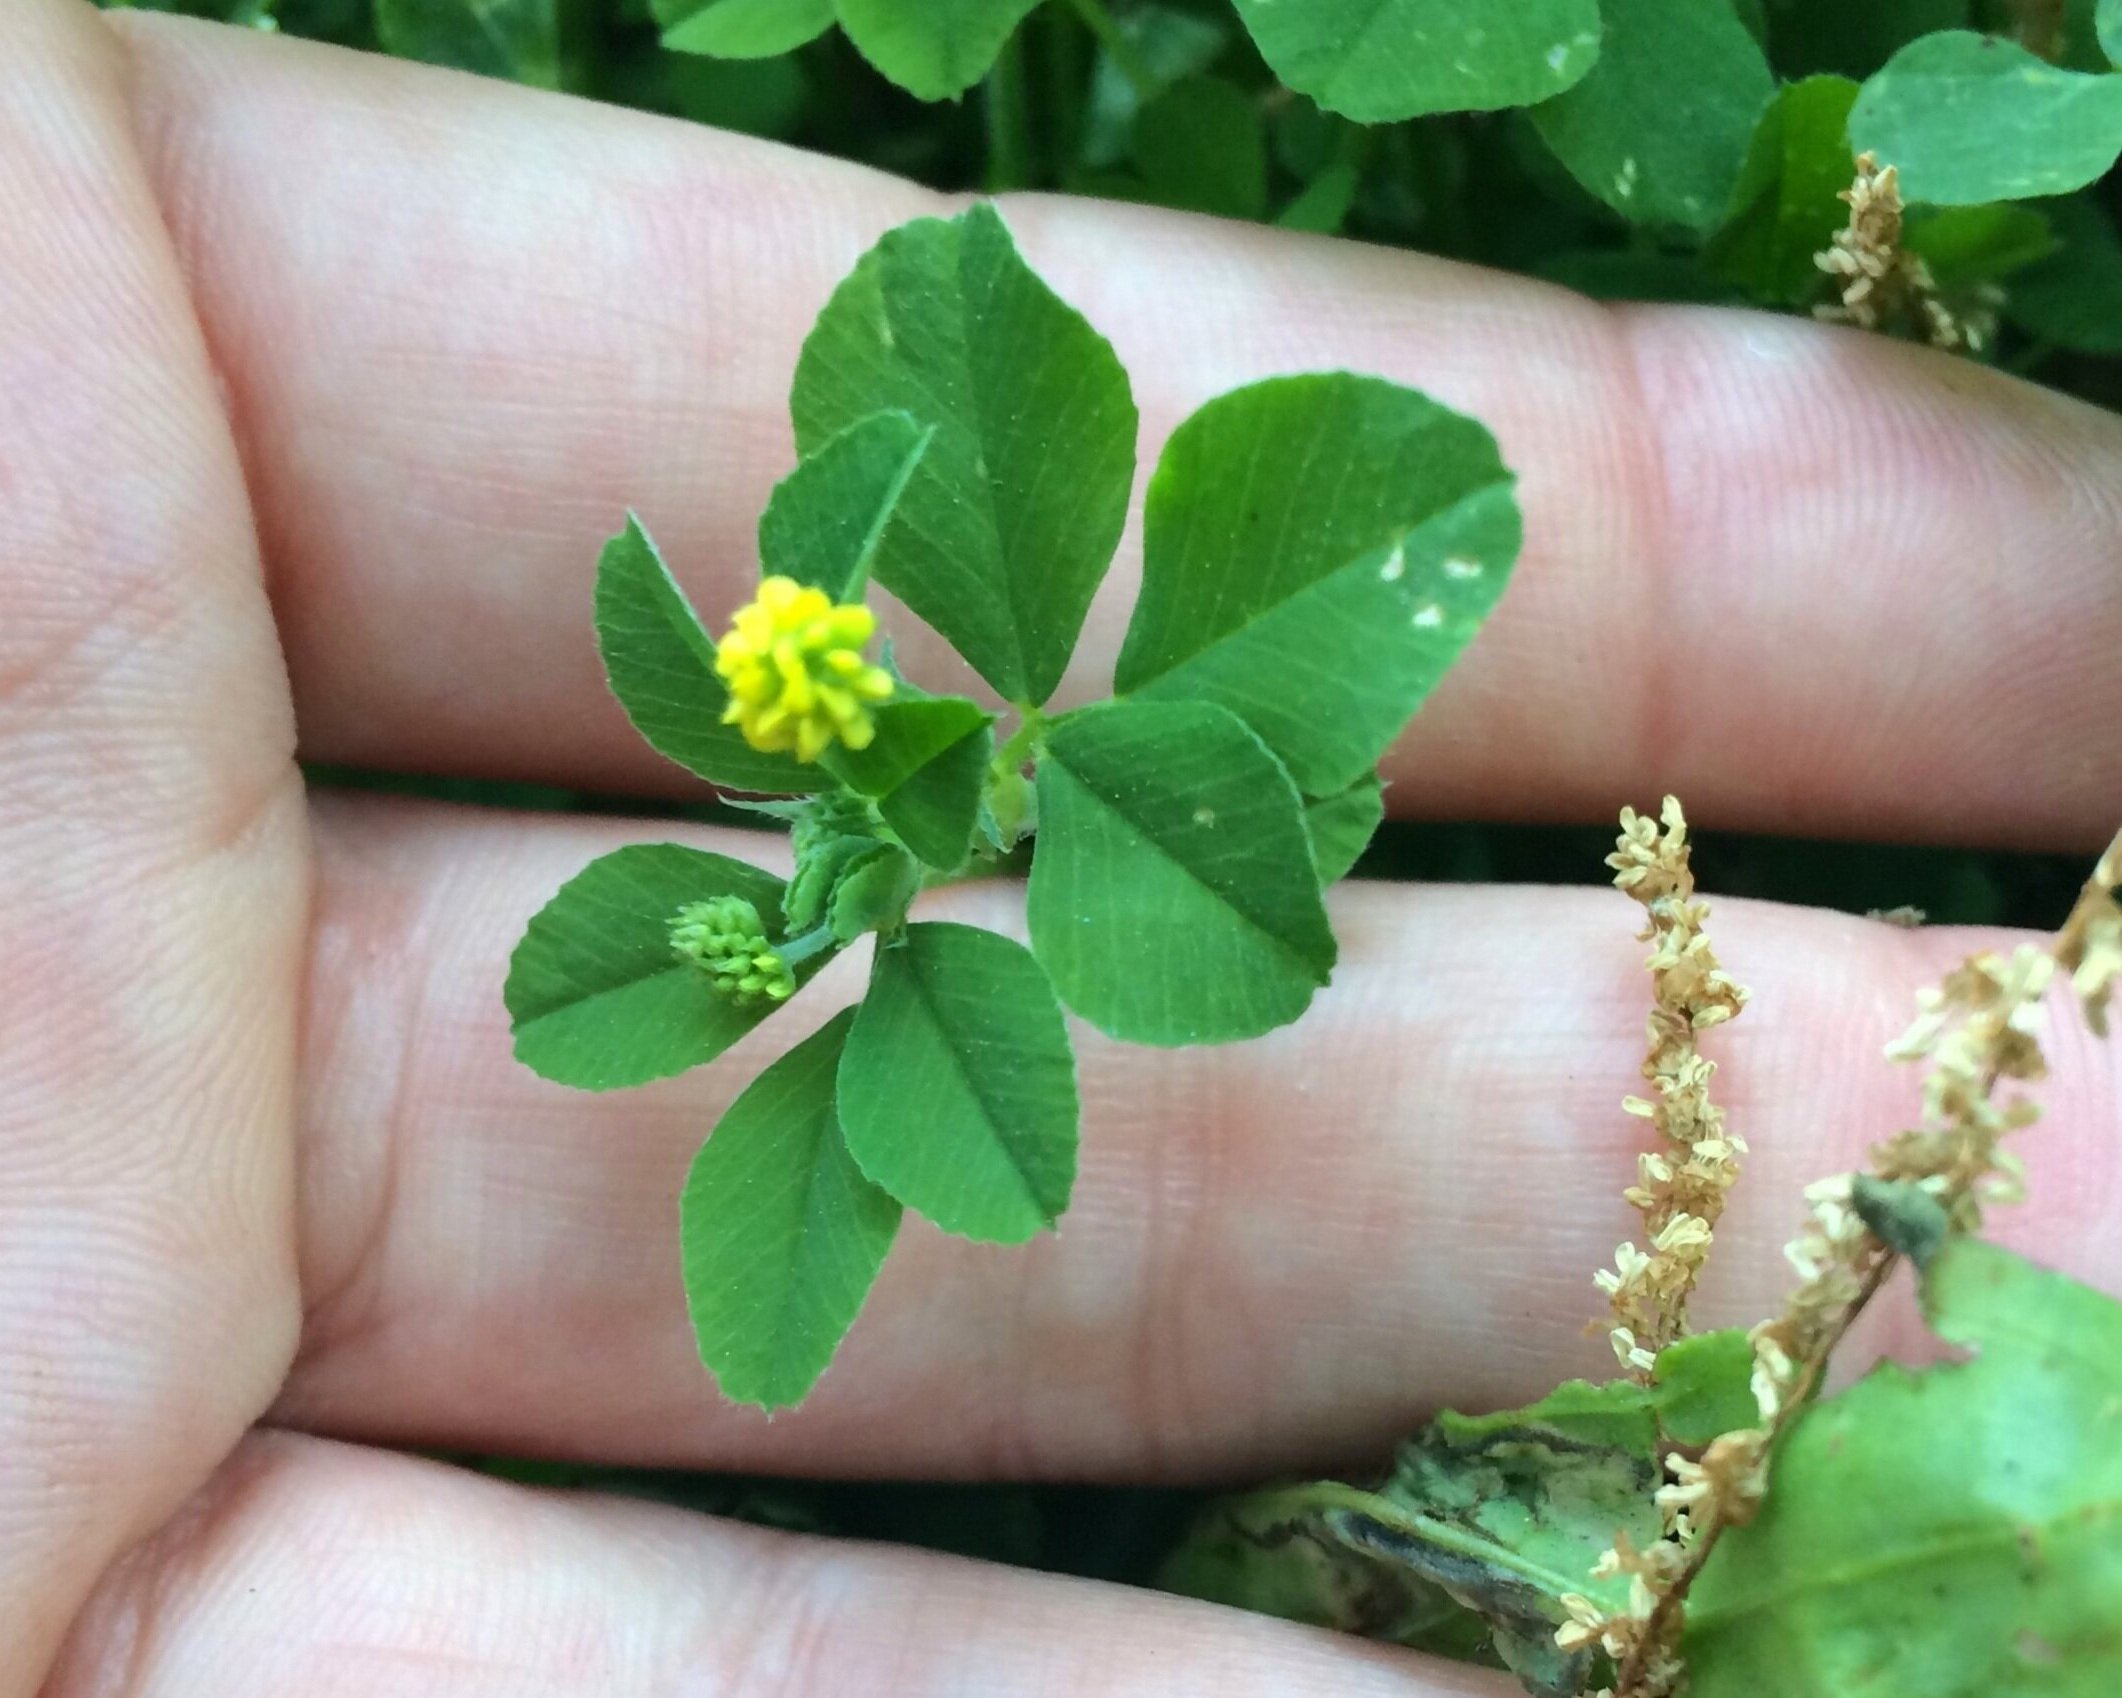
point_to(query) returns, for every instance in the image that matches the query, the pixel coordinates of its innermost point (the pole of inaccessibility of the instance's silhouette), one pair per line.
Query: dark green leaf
(1969, 118)
(515, 39)
(1787, 206)
(1705, 1386)
(958, 1089)
(825, 519)
(598, 999)
(1317, 551)
(661, 664)
(782, 1235)
(1012, 515)
(1853, 38)
(1326, 201)
(874, 892)
(1201, 147)
(1622, 275)
(934, 49)
(1660, 127)
(1270, 1552)
(1342, 825)
(925, 769)
(1977, 244)
(2074, 298)
(741, 29)
(1953, 1533)
(1173, 897)
(1380, 60)
(1168, 44)
(1502, 1514)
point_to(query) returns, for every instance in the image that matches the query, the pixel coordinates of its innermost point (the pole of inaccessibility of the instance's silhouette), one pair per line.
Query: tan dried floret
(1884, 286)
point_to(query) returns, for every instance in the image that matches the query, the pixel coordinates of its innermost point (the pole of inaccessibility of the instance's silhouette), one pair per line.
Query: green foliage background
(1174, 102)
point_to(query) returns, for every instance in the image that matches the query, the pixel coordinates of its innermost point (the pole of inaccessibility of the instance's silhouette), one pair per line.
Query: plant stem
(1126, 57)
(1005, 99)
(1032, 726)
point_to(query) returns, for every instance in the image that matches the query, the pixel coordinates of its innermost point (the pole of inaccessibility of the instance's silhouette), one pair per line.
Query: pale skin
(321, 379)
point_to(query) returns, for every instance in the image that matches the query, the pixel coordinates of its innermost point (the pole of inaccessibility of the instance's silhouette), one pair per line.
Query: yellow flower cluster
(797, 680)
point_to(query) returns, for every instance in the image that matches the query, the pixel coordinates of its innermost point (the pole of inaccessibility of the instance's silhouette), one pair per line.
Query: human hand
(324, 376)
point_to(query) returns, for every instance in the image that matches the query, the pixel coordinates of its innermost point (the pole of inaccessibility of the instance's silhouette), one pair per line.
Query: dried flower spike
(1884, 286)
(1680, 1187)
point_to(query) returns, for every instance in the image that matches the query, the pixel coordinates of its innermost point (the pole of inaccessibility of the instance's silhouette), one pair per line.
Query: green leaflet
(597, 997)
(1201, 146)
(1977, 244)
(934, 49)
(741, 29)
(925, 770)
(1705, 1386)
(782, 1236)
(874, 893)
(1969, 118)
(515, 39)
(1947, 1533)
(1179, 908)
(1786, 208)
(1316, 552)
(959, 1087)
(2108, 20)
(661, 665)
(1380, 60)
(1693, 65)
(1010, 519)
(825, 519)
(1341, 826)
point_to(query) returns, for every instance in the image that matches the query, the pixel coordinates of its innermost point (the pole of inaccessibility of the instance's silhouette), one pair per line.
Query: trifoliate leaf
(1949, 1533)
(1173, 896)
(1201, 146)
(1786, 208)
(958, 1089)
(1377, 61)
(782, 1236)
(518, 40)
(934, 49)
(1317, 551)
(925, 769)
(1011, 517)
(741, 29)
(1659, 128)
(661, 664)
(825, 519)
(1342, 825)
(598, 997)
(1971, 118)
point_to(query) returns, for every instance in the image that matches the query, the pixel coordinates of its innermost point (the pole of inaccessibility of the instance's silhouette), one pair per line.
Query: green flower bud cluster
(725, 938)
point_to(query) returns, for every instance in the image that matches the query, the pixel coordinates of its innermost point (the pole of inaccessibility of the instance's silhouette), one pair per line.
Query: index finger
(1812, 580)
